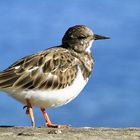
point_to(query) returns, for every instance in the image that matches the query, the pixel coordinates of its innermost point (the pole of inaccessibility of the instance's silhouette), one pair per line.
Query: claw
(27, 109)
(25, 106)
(58, 126)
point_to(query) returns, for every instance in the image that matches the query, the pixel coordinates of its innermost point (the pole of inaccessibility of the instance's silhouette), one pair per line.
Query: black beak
(98, 37)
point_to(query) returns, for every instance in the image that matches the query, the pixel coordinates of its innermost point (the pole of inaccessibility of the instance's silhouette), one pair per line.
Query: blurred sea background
(112, 95)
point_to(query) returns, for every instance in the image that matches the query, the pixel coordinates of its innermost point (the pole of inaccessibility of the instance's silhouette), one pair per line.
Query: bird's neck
(86, 62)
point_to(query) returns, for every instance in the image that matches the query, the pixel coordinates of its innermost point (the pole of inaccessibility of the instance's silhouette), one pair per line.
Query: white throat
(89, 46)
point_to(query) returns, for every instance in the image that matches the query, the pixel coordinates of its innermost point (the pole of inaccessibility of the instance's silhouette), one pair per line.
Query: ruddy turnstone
(52, 77)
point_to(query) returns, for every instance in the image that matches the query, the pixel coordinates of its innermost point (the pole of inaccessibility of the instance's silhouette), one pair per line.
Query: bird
(52, 77)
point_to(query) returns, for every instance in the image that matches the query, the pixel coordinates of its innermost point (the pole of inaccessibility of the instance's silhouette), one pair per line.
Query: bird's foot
(57, 126)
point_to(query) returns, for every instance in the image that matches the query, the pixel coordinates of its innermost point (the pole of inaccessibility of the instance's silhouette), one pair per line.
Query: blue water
(111, 98)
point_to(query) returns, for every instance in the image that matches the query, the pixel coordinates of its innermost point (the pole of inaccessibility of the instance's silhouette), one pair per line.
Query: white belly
(51, 98)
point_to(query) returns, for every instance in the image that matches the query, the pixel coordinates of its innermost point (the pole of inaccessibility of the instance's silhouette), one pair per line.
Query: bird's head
(80, 38)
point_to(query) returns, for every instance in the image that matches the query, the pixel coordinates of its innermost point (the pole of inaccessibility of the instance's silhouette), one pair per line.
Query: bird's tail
(6, 79)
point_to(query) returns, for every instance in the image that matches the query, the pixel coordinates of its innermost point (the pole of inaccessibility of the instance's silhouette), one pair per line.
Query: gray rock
(86, 133)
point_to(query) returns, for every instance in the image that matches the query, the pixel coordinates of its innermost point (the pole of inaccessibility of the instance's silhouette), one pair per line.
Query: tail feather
(7, 78)
(6, 74)
(7, 83)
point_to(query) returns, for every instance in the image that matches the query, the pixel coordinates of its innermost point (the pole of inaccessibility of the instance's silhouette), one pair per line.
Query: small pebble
(55, 132)
(25, 134)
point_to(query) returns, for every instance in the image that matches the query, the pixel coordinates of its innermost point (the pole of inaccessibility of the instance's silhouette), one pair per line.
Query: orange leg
(49, 123)
(29, 111)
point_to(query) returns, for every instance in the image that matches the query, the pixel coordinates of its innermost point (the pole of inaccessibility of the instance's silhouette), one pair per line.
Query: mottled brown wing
(50, 69)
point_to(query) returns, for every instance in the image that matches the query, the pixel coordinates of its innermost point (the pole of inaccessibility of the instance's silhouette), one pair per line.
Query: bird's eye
(81, 37)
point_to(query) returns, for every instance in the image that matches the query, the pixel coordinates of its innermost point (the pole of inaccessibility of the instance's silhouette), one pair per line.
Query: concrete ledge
(28, 133)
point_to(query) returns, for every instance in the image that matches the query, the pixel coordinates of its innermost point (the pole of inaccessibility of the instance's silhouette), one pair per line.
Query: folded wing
(54, 68)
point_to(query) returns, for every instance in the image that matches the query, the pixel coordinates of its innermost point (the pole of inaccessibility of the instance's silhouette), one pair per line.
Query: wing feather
(54, 68)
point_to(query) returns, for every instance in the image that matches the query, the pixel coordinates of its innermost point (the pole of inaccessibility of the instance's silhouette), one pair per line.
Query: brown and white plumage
(54, 76)
(54, 68)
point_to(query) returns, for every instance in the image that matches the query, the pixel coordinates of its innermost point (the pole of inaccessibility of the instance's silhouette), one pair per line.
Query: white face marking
(90, 45)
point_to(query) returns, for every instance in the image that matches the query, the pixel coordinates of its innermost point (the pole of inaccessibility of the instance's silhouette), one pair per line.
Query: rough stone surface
(28, 133)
